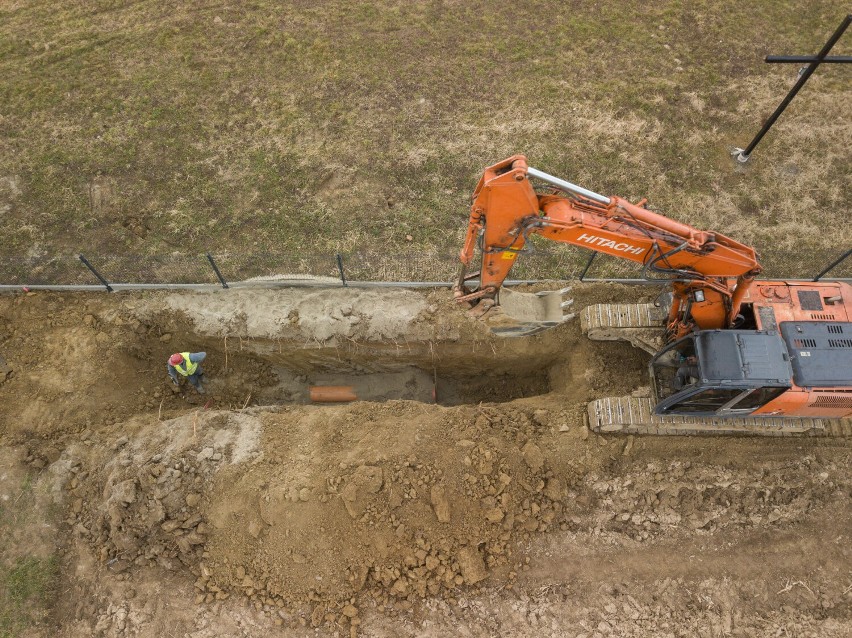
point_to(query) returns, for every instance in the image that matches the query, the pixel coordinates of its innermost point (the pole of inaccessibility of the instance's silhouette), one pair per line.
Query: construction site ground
(464, 496)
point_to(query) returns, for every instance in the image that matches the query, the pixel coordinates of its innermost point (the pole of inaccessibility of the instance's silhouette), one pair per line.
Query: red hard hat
(176, 359)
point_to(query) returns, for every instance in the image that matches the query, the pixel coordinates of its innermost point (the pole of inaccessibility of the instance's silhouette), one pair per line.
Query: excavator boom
(710, 272)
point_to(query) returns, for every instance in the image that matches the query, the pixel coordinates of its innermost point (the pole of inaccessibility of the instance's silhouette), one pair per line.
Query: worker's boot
(200, 389)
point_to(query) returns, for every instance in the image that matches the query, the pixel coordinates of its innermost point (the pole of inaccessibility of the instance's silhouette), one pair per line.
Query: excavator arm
(710, 273)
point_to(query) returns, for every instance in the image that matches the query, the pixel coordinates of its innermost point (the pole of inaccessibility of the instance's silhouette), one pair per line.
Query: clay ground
(130, 510)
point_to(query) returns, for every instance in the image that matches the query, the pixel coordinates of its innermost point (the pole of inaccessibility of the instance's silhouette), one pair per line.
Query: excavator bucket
(520, 314)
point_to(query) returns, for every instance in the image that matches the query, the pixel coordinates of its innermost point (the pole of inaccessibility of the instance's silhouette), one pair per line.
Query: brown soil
(247, 511)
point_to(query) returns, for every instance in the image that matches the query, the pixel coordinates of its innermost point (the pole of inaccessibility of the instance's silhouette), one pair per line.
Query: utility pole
(742, 155)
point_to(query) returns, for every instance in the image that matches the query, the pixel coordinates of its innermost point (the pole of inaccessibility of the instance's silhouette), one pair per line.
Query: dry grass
(322, 126)
(28, 566)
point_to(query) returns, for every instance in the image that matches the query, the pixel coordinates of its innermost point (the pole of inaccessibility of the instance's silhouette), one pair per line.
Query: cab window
(709, 400)
(757, 398)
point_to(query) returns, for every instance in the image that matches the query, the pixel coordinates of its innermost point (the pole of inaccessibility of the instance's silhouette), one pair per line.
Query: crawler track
(630, 415)
(640, 324)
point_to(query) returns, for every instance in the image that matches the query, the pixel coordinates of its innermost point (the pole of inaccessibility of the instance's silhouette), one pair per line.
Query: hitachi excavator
(730, 353)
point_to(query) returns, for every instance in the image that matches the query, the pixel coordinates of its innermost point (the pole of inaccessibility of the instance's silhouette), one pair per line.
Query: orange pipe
(332, 393)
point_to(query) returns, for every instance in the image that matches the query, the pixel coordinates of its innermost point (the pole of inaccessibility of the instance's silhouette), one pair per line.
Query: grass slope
(309, 127)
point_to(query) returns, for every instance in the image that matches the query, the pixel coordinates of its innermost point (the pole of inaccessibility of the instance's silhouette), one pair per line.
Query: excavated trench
(373, 346)
(415, 384)
(272, 347)
(446, 374)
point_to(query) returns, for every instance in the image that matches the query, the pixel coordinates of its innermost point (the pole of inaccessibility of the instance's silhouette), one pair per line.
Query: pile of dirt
(319, 505)
(328, 508)
(400, 500)
(323, 516)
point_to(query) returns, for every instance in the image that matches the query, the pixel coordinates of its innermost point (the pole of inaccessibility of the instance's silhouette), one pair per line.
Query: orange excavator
(730, 353)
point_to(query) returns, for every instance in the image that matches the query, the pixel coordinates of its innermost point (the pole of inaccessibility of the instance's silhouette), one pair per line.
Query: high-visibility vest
(189, 368)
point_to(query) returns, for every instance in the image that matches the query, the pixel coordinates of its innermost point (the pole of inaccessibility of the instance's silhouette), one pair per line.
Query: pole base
(739, 155)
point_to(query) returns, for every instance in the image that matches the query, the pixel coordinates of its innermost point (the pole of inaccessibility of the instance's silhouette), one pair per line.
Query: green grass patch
(27, 593)
(28, 572)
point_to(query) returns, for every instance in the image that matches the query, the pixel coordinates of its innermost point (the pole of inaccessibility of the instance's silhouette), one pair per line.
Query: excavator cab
(718, 373)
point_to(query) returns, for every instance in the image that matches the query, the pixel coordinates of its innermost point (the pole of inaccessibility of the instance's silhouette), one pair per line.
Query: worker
(187, 364)
(687, 374)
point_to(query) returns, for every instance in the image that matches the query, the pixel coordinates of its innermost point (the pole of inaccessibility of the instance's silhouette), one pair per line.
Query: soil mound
(308, 504)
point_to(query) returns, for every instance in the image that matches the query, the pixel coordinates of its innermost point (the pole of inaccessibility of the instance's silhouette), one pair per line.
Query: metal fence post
(340, 270)
(836, 262)
(95, 272)
(588, 265)
(216, 270)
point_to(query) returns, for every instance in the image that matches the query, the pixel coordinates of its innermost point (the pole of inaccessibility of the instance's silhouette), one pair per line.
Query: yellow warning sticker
(509, 255)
